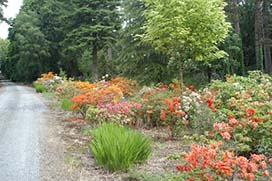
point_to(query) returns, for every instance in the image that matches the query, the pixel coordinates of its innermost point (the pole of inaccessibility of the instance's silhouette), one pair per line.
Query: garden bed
(203, 134)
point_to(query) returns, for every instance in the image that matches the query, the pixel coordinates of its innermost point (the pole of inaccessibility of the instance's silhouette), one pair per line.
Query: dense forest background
(88, 39)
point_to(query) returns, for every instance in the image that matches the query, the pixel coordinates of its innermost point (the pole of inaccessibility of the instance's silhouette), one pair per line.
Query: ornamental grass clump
(118, 148)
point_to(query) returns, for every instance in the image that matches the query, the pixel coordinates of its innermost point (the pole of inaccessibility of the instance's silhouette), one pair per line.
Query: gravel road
(37, 144)
(21, 114)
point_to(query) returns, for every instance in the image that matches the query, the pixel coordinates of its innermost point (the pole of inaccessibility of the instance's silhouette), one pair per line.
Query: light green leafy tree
(186, 29)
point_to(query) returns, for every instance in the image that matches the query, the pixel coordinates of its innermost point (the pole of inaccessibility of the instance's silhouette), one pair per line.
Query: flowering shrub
(108, 93)
(67, 90)
(81, 103)
(236, 112)
(119, 112)
(52, 82)
(247, 133)
(239, 93)
(128, 87)
(125, 109)
(102, 94)
(151, 100)
(162, 106)
(208, 163)
(48, 75)
(49, 80)
(242, 106)
(173, 115)
(84, 86)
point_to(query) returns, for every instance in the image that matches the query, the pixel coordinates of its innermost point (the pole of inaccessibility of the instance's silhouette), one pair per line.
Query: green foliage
(246, 99)
(66, 104)
(199, 80)
(63, 74)
(136, 59)
(233, 63)
(84, 64)
(2, 3)
(95, 115)
(67, 90)
(118, 148)
(28, 49)
(186, 29)
(3, 51)
(77, 36)
(264, 145)
(152, 100)
(247, 21)
(92, 26)
(39, 87)
(50, 13)
(87, 130)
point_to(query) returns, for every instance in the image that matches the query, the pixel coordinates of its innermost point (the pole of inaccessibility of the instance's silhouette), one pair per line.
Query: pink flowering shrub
(119, 112)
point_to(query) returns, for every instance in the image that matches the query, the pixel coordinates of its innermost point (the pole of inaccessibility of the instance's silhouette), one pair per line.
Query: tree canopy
(2, 3)
(145, 40)
(188, 29)
(191, 28)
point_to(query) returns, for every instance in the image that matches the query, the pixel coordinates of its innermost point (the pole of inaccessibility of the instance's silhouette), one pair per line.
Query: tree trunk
(181, 83)
(108, 66)
(238, 32)
(258, 35)
(95, 64)
(181, 77)
(267, 41)
(209, 73)
(110, 54)
(236, 18)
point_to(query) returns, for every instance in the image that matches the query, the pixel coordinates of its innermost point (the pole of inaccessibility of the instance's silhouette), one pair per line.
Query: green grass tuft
(66, 104)
(118, 148)
(39, 87)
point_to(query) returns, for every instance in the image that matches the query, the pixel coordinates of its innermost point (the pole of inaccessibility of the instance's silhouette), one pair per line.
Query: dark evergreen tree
(3, 51)
(267, 35)
(52, 26)
(92, 25)
(136, 59)
(28, 49)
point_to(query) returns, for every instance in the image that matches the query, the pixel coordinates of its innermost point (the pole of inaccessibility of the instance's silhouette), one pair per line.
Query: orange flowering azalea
(48, 75)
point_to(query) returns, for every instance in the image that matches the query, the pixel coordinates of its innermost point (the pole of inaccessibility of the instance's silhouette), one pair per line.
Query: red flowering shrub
(211, 163)
(173, 114)
(81, 103)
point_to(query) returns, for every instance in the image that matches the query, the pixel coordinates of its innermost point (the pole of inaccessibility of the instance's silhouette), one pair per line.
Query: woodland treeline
(92, 38)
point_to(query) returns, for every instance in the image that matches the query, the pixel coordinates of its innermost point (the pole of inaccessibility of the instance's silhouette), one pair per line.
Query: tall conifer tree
(93, 25)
